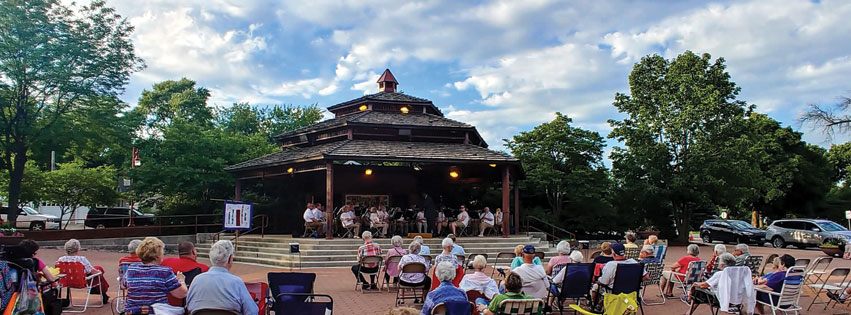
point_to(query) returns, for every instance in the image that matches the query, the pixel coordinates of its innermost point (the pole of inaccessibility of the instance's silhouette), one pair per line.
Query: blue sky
(504, 66)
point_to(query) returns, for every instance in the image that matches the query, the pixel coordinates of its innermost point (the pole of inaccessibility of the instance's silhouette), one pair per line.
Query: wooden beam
(237, 190)
(329, 199)
(506, 204)
(517, 205)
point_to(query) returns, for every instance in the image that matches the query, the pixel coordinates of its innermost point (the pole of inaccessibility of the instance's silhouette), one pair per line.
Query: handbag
(29, 299)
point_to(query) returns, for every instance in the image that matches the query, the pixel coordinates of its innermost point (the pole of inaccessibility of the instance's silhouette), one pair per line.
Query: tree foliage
(271, 121)
(72, 186)
(52, 58)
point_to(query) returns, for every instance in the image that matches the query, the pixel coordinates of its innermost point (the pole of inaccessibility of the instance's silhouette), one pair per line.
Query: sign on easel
(237, 215)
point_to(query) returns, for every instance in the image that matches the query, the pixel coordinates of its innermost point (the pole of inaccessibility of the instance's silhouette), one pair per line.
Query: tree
(72, 186)
(565, 164)
(32, 186)
(51, 58)
(829, 119)
(175, 100)
(681, 114)
(840, 158)
(270, 121)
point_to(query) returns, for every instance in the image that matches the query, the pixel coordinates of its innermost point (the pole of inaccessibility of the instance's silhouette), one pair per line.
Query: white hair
(563, 247)
(647, 249)
(727, 260)
(221, 252)
(720, 249)
(396, 241)
(414, 247)
(367, 235)
(72, 246)
(577, 256)
(480, 262)
(742, 247)
(447, 242)
(445, 271)
(418, 239)
(134, 244)
(693, 250)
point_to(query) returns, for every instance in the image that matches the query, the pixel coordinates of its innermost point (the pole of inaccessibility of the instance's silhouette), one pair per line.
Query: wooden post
(506, 203)
(329, 199)
(516, 206)
(237, 190)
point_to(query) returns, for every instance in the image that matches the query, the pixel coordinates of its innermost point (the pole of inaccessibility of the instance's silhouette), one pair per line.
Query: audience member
(131, 249)
(518, 258)
(513, 290)
(774, 281)
(187, 259)
(30, 249)
(487, 219)
(441, 221)
(478, 280)
(719, 249)
(456, 249)
(534, 277)
(350, 220)
(445, 292)
(563, 257)
(646, 255)
(310, 219)
(447, 254)
(421, 222)
(605, 254)
(607, 275)
(219, 289)
(72, 248)
(705, 292)
(424, 250)
(369, 248)
(680, 266)
(376, 221)
(742, 252)
(461, 221)
(498, 216)
(577, 257)
(414, 279)
(149, 284)
(392, 268)
(652, 240)
(630, 240)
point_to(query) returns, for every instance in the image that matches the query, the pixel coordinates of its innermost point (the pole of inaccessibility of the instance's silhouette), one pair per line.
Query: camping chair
(121, 299)
(309, 230)
(367, 261)
(303, 304)
(614, 304)
(214, 311)
(819, 269)
(628, 278)
(660, 251)
(694, 273)
(654, 275)
(632, 253)
(753, 262)
(290, 283)
(575, 285)
(768, 261)
(557, 269)
(499, 256)
(472, 295)
(259, 292)
(75, 277)
(416, 290)
(818, 288)
(521, 307)
(384, 281)
(453, 307)
(787, 299)
(713, 301)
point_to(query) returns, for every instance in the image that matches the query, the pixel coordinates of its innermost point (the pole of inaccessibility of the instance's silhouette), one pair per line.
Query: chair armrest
(89, 277)
(767, 292)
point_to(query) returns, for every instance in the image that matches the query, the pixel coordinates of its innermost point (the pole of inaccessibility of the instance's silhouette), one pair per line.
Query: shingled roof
(379, 150)
(381, 118)
(384, 96)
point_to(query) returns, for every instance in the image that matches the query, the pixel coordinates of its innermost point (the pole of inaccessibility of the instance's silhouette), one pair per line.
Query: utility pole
(135, 162)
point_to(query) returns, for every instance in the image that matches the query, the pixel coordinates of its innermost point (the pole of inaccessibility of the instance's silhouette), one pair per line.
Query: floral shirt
(369, 249)
(414, 277)
(87, 266)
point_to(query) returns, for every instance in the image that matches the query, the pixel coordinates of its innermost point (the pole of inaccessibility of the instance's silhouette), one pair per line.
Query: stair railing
(554, 233)
(264, 222)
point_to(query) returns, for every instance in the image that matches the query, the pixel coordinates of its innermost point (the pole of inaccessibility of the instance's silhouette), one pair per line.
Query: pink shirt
(558, 260)
(393, 268)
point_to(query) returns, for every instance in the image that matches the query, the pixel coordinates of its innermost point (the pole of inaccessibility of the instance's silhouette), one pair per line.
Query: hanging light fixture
(368, 171)
(362, 108)
(492, 165)
(290, 170)
(404, 109)
(454, 174)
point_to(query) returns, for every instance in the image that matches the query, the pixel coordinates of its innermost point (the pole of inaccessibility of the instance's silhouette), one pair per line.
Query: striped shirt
(147, 285)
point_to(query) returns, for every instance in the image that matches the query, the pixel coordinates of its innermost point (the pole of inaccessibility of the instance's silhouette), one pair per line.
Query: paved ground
(339, 282)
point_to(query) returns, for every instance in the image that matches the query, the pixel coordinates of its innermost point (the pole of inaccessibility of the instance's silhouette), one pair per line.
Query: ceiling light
(362, 108)
(404, 110)
(453, 174)
(368, 171)
(290, 170)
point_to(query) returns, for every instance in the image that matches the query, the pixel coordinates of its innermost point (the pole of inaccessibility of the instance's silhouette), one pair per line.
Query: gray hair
(727, 259)
(445, 271)
(480, 262)
(577, 256)
(720, 249)
(414, 247)
(72, 246)
(742, 247)
(447, 242)
(221, 252)
(396, 241)
(630, 236)
(693, 250)
(418, 239)
(647, 249)
(563, 247)
(134, 244)
(367, 235)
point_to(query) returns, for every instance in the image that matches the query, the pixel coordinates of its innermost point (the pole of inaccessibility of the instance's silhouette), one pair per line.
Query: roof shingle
(382, 118)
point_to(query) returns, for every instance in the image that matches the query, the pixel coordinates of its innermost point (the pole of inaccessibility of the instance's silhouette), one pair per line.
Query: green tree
(51, 58)
(72, 186)
(681, 114)
(270, 121)
(175, 100)
(564, 164)
(840, 158)
(32, 186)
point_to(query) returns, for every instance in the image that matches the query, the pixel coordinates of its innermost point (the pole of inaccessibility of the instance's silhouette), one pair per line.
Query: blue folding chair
(286, 286)
(308, 304)
(576, 284)
(628, 280)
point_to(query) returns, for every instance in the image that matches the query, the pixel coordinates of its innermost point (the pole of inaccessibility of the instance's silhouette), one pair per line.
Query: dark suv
(733, 231)
(116, 217)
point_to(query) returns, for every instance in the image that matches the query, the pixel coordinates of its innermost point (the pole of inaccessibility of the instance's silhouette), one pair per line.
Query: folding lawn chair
(654, 275)
(575, 286)
(660, 251)
(767, 262)
(75, 277)
(753, 262)
(628, 278)
(614, 304)
(694, 273)
(819, 269)
(303, 304)
(520, 307)
(453, 307)
(836, 273)
(787, 299)
(289, 283)
(632, 253)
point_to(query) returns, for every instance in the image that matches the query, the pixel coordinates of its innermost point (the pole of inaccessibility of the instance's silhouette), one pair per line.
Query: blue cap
(618, 249)
(529, 249)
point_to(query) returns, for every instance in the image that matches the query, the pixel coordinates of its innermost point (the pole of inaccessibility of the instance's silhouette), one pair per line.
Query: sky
(502, 66)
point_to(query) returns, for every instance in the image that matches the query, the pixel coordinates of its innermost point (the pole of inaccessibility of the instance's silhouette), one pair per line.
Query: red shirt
(684, 264)
(129, 259)
(183, 264)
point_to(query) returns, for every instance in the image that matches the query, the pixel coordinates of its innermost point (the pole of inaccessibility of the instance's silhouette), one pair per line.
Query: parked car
(29, 218)
(103, 217)
(804, 232)
(733, 231)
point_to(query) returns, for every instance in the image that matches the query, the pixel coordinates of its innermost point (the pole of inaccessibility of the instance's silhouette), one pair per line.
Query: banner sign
(237, 215)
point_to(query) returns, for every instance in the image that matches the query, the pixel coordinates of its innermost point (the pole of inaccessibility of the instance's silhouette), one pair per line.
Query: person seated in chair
(646, 256)
(377, 221)
(445, 292)
(311, 220)
(742, 252)
(422, 223)
(424, 249)
(186, 261)
(607, 275)
(369, 248)
(30, 248)
(487, 219)
(218, 288)
(461, 221)
(131, 257)
(478, 280)
(630, 240)
(535, 282)
(392, 269)
(349, 220)
(72, 248)
(563, 257)
(456, 249)
(514, 291)
(774, 282)
(416, 279)
(149, 284)
(681, 266)
(706, 292)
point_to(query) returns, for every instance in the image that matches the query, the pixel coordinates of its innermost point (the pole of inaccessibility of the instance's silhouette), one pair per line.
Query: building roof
(387, 77)
(386, 97)
(381, 118)
(379, 150)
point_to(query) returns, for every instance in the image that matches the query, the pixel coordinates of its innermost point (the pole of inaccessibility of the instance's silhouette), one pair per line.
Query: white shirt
(607, 275)
(464, 217)
(382, 215)
(375, 218)
(499, 218)
(441, 217)
(487, 217)
(535, 283)
(318, 215)
(348, 218)
(421, 217)
(308, 215)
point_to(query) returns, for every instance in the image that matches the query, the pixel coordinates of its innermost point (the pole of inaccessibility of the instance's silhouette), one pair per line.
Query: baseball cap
(529, 249)
(618, 249)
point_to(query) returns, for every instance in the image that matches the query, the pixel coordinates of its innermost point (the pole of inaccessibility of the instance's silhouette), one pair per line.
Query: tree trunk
(16, 176)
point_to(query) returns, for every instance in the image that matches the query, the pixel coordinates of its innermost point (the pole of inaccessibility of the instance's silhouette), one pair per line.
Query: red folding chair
(260, 294)
(74, 277)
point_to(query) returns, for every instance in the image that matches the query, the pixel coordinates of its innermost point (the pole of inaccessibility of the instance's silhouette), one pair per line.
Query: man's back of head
(185, 248)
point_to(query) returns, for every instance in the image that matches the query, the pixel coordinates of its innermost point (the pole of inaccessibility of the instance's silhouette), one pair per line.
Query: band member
(487, 221)
(310, 219)
(377, 221)
(349, 219)
(462, 220)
